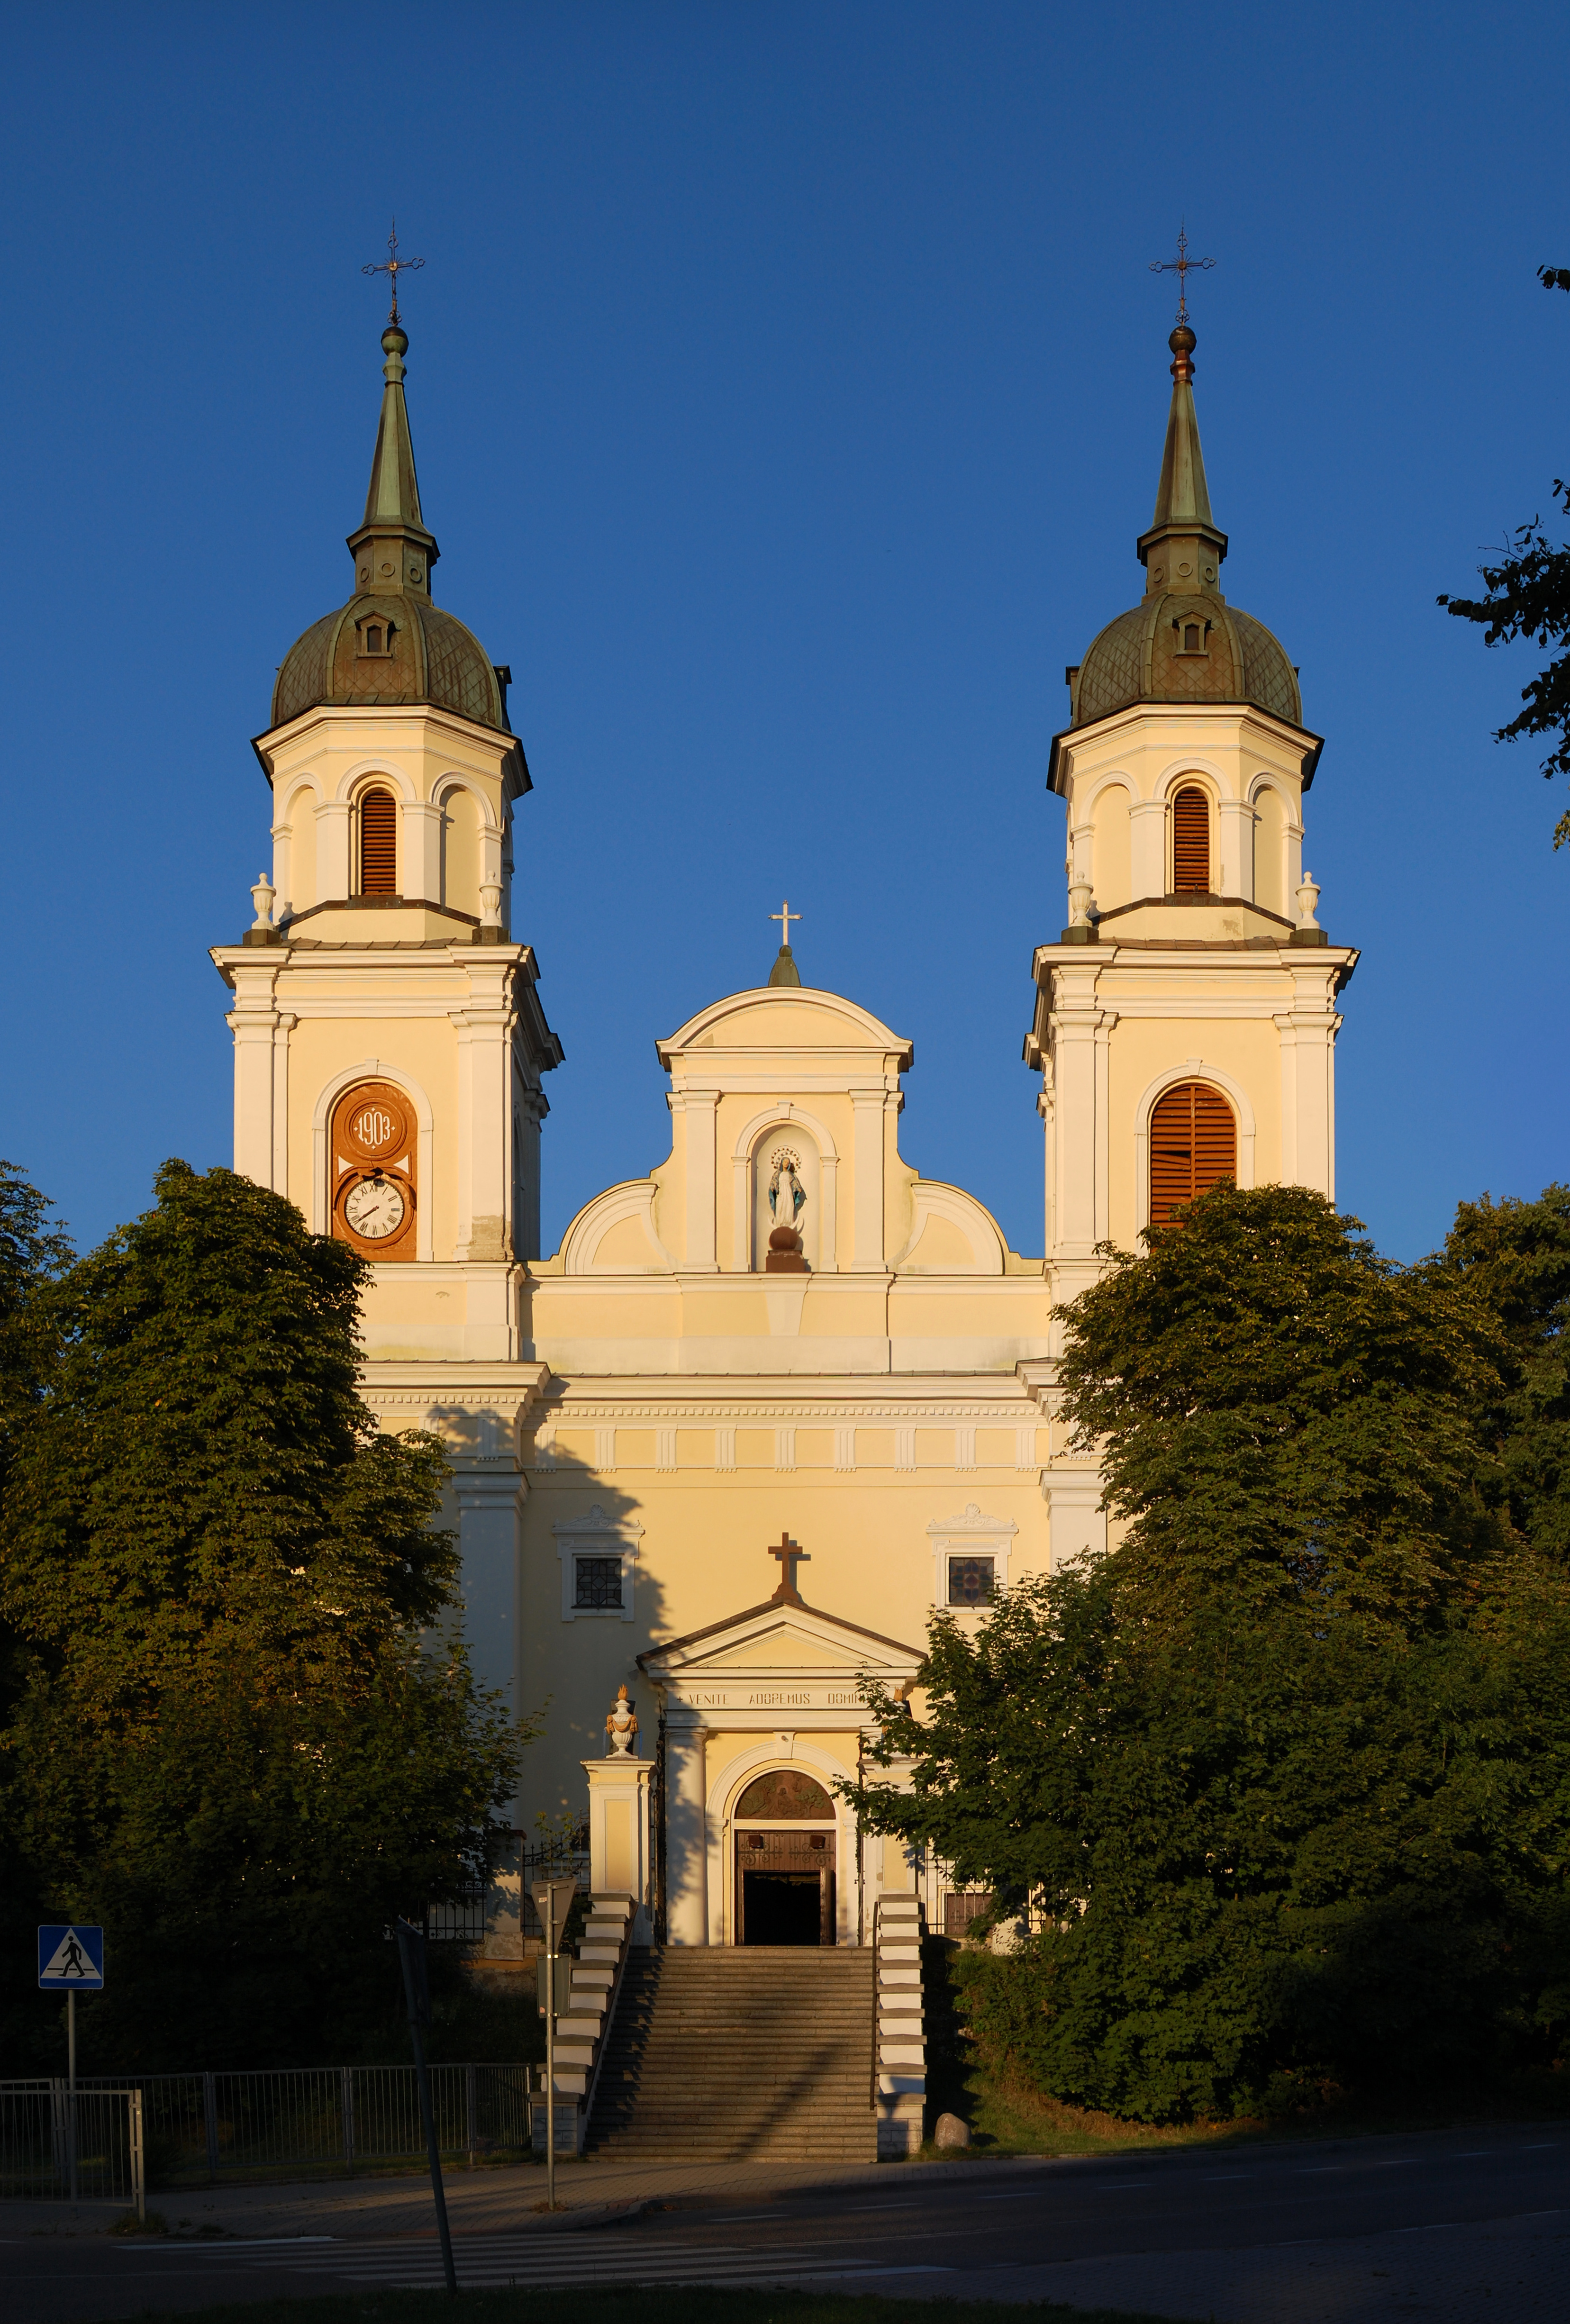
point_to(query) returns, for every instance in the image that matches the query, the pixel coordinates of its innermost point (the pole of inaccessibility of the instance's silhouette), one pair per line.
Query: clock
(375, 1208)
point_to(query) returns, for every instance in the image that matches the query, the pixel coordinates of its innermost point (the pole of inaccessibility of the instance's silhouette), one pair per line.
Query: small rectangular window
(598, 1582)
(970, 1580)
(961, 1906)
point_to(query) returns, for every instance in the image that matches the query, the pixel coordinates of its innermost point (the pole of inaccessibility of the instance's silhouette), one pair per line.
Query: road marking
(1225, 2178)
(1541, 2147)
(232, 2242)
(1115, 2186)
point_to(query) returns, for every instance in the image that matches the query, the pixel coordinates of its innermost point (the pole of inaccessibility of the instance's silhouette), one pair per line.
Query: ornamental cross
(392, 267)
(1182, 266)
(785, 916)
(788, 1553)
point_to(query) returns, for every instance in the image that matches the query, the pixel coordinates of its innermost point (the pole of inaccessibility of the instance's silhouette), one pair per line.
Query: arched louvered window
(1193, 1147)
(1191, 840)
(378, 844)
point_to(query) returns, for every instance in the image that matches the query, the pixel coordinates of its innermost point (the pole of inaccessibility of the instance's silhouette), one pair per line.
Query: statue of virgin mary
(787, 1194)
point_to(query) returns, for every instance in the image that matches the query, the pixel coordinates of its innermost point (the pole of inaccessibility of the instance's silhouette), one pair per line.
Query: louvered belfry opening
(1191, 840)
(378, 844)
(1193, 1147)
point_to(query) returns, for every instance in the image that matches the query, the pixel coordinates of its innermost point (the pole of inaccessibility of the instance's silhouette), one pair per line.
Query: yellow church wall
(701, 1558)
(324, 1047)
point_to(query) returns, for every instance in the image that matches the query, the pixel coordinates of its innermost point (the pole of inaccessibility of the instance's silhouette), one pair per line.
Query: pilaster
(686, 1833)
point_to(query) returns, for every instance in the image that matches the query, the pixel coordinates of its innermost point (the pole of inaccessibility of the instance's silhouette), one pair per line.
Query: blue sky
(788, 387)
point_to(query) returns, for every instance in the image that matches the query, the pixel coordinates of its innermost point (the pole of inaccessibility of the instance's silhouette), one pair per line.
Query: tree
(31, 1253)
(1527, 595)
(1514, 1258)
(1264, 1767)
(1284, 1414)
(245, 1739)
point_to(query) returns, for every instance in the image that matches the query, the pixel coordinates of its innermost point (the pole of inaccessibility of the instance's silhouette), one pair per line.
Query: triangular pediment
(777, 1637)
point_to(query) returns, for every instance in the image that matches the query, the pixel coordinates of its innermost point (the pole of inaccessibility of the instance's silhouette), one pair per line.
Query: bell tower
(389, 1042)
(1185, 1019)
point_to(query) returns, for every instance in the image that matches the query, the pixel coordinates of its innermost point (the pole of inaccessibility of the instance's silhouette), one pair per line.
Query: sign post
(70, 1959)
(552, 1901)
(417, 1994)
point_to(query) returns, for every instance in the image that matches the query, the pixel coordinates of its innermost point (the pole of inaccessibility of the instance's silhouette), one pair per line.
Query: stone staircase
(740, 2053)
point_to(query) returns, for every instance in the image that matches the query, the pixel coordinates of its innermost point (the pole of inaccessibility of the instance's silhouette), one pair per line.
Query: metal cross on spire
(785, 916)
(1182, 266)
(392, 266)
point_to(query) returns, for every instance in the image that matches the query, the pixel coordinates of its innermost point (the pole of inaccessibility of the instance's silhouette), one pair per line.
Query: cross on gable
(788, 1555)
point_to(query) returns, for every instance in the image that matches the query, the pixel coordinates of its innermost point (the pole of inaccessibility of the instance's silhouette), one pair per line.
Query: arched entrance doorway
(785, 1826)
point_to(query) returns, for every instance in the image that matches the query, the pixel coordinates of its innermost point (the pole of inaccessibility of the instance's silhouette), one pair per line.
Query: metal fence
(544, 1863)
(89, 2145)
(200, 2127)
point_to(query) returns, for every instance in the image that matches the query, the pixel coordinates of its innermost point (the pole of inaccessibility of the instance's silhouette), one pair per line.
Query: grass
(676, 2304)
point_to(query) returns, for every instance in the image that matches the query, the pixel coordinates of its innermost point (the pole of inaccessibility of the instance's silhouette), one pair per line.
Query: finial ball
(1183, 341)
(394, 341)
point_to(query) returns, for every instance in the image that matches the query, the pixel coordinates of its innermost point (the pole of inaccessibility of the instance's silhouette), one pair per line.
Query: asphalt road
(1287, 2211)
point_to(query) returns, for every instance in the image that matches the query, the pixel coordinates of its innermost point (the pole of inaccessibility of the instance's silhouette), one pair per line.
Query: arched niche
(462, 823)
(783, 1158)
(1272, 815)
(1109, 875)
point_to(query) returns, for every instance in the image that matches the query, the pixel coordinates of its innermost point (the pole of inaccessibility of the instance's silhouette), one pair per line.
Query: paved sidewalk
(477, 2201)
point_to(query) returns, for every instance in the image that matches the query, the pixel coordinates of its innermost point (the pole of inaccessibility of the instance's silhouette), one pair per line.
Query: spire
(1183, 522)
(393, 549)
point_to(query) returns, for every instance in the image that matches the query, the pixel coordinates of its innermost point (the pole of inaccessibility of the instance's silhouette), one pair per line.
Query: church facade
(784, 1342)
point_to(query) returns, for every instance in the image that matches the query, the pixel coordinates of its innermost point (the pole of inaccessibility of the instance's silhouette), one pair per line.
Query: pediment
(780, 1637)
(785, 1018)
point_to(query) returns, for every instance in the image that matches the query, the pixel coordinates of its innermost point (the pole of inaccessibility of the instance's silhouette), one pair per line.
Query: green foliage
(1514, 1258)
(1527, 595)
(31, 1254)
(1282, 1413)
(240, 1739)
(1288, 1772)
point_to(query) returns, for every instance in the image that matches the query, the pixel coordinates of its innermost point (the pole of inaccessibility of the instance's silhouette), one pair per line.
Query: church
(770, 1406)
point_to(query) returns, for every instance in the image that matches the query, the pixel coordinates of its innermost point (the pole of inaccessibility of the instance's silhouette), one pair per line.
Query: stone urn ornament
(620, 1727)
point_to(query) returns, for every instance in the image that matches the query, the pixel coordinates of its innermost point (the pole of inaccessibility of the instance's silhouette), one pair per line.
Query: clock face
(375, 1208)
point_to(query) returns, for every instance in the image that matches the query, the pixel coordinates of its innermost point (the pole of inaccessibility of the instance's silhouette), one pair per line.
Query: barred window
(598, 1581)
(970, 1580)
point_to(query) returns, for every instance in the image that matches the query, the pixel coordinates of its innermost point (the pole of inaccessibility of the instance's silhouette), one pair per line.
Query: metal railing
(198, 2127)
(85, 2145)
(544, 1863)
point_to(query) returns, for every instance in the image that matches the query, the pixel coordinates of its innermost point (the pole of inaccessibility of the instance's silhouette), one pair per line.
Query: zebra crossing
(534, 2259)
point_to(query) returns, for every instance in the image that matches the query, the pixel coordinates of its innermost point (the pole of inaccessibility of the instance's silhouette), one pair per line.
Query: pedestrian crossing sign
(70, 1958)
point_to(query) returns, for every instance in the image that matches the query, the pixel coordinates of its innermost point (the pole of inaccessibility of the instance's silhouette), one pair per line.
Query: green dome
(1140, 658)
(433, 658)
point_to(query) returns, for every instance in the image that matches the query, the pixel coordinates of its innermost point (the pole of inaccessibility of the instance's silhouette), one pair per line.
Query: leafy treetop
(1527, 595)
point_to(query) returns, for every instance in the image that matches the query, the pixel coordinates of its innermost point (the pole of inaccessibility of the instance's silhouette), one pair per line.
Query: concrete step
(729, 2054)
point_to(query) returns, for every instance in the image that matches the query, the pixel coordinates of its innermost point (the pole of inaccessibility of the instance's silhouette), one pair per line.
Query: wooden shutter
(378, 844)
(1193, 1147)
(1191, 840)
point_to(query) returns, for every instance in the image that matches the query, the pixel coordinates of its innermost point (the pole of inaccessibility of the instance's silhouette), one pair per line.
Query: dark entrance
(785, 1861)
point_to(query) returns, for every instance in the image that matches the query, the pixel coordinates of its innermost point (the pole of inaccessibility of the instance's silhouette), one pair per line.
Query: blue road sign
(70, 1959)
